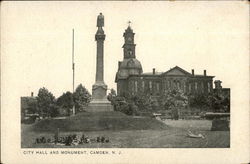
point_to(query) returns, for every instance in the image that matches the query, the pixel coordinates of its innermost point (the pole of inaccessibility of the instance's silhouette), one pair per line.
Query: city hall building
(131, 79)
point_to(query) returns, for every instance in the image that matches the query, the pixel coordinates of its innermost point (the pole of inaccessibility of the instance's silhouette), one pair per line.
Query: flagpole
(73, 67)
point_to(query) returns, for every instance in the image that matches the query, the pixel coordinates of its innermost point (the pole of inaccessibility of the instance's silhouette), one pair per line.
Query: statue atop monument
(100, 20)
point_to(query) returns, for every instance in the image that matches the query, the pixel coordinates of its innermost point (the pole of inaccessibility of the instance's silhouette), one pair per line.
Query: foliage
(81, 98)
(199, 101)
(143, 101)
(174, 100)
(219, 102)
(120, 103)
(54, 110)
(66, 101)
(46, 103)
(111, 96)
(215, 101)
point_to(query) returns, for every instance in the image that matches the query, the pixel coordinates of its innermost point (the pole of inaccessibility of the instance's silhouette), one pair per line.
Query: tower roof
(129, 30)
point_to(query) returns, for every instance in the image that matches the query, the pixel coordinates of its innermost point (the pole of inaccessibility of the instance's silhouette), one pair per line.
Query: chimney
(193, 72)
(32, 94)
(153, 71)
(217, 84)
(205, 72)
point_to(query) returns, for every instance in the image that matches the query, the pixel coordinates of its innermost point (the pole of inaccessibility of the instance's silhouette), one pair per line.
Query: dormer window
(130, 53)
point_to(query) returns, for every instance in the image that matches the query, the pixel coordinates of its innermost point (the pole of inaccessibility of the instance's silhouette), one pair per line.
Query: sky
(37, 39)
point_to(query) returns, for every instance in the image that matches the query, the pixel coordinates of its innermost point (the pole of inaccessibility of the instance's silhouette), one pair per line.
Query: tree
(219, 102)
(81, 98)
(143, 101)
(54, 110)
(111, 96)
(174, 100)
(120, 103)
(200, 101)
(66, 102)
(45, 102)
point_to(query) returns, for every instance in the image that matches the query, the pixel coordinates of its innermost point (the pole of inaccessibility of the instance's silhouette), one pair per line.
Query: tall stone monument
(99, 89)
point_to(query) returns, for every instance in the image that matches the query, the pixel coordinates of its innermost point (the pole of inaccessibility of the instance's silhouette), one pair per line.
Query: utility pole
(73, 68)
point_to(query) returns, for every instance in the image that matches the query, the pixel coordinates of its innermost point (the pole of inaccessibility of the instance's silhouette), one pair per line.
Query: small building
(28, 106)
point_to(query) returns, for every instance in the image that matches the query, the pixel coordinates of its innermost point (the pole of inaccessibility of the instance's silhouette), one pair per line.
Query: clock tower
(129, 46)
(129, 66)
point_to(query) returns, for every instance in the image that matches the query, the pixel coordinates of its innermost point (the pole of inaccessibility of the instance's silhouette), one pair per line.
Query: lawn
(175, 136)
(99, 121)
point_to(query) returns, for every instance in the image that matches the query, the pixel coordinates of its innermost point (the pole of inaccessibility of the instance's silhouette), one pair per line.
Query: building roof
(130, 63)
(202, 76)
(176, 68)
(152, 74)
(128, 67)
(176, 71)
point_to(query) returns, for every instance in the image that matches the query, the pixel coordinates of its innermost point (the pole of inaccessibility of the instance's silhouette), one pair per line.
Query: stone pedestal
(99, 106)
(99, 102)
(220, 125)
(99, 90)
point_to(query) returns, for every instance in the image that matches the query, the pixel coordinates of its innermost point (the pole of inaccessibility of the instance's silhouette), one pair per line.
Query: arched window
(165, 85)
(150, 85)
(190, 88)
(178, 85)
(208, 87)
(158, 87)
(131, 63)
(136, 87)
(202, 87)
(142, 85)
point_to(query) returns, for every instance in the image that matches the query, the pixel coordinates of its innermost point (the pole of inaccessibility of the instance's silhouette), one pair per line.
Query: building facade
(28, 106)
(130, 78)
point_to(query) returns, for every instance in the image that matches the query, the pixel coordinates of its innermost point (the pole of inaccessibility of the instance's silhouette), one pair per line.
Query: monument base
(99, 106)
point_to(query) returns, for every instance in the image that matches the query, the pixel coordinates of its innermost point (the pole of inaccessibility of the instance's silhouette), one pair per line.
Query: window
(196, 86)
(190, 88)
(136, 87)
(208, 87)
(143, 85)
(130, 63)
(174, 84)
(202, 87)
(150, 85)
(178, 85)
(157, 87)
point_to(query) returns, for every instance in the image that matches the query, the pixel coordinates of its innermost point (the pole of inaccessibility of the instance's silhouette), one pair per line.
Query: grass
(99, 121)
(174, 135)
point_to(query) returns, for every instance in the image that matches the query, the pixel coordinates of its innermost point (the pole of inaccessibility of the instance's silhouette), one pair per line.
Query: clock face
(129, 39)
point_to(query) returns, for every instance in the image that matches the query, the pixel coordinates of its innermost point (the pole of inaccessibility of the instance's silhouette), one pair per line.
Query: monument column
(99, 37)
(99, 89)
